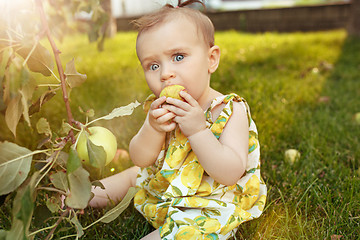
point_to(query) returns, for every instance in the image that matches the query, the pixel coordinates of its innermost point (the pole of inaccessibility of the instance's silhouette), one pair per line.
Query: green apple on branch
(96, 146)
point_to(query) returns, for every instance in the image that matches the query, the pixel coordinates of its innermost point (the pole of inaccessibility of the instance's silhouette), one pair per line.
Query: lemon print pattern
(180, 199)
(191, 174)
(253, 141)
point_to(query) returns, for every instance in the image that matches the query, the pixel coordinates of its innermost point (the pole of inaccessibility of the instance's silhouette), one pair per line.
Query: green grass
(282, 76)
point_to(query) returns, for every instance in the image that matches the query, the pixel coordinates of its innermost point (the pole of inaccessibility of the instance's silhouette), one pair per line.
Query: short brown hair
(203, 23)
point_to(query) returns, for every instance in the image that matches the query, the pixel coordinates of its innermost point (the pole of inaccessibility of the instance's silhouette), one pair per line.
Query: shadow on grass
(318, 196)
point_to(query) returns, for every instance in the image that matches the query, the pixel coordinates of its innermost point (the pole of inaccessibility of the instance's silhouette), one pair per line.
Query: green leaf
(23, 207)
(118, 209)
(79, 228)
(189, 220)
(27, 207)
(213, 212)
(88, 113)
(79, 183)
(176, 190)
(59, 180)
(41, 214)
(80, 189)
(53, 204)
(97, 183)
(232, 219)
(176, 201)
(13, 113)
(28, 84)
(221, 203)
(97, 154)
(43, 127)
(39, 58)
(73, 161)
(65, 128)
(25, 108)
(62, 159)
(73, 78)
(15, 164)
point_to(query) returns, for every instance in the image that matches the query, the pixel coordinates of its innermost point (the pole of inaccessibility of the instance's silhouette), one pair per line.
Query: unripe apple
(292, 155)
(357, 118)
(99, 136)
(172, 91)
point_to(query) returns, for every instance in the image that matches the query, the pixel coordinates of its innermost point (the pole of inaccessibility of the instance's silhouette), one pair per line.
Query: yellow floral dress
(178, 197)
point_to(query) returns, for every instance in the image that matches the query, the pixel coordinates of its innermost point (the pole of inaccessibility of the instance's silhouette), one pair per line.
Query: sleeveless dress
(177, 196)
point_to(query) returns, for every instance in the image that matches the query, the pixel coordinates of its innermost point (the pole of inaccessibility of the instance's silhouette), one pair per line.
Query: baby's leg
(116, 186)
(155, 235)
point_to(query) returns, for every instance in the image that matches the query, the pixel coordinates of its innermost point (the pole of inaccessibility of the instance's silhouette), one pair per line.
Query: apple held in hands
(172, 91)
(97, 147)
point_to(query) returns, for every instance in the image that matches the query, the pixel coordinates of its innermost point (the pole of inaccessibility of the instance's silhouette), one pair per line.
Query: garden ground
(303, 90)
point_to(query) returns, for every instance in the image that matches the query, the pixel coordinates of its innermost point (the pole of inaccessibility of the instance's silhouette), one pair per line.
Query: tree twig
(57, 52)
(56, 224)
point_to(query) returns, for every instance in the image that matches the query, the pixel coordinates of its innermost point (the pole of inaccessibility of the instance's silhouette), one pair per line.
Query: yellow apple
(99, 136)
(357, 118)
(292, 155)
(172, 91)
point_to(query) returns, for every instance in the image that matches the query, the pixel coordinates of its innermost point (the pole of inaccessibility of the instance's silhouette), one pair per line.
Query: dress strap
(218, 125)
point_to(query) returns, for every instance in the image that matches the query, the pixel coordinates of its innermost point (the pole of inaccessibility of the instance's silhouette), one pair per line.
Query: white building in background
(129, 8)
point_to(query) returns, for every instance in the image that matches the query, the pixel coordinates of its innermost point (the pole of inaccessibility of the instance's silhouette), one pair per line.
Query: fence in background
(301, 18)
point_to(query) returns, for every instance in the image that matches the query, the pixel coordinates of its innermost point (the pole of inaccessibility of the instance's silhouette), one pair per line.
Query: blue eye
(153, 67)
(178, 58)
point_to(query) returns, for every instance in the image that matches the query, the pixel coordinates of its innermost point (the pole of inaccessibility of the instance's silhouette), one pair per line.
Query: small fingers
(188, 98)
(157, 103)
(169, 127)
(178, 103)
(166, 123)
(176, 110)
(165, 118)
(158, 112)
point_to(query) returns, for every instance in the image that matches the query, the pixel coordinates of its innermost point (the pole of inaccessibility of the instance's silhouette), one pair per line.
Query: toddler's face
(175, 53)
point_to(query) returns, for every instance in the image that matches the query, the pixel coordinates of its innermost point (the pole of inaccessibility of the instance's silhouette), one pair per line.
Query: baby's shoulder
(216, 111)
(237, 106)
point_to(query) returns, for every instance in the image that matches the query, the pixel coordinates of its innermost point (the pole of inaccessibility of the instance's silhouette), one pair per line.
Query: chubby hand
(159, 117)
(189, 114)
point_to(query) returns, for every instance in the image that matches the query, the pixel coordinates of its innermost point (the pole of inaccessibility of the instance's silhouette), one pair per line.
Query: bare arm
(145, 146)
(224, 159)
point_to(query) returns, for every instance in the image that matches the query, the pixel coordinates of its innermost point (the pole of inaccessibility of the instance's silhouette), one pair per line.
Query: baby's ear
(214, 58)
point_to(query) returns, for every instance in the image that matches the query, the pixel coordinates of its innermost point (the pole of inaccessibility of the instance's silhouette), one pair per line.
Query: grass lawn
(303, 90)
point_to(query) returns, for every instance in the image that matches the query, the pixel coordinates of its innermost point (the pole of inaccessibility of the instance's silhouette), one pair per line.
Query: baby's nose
(167, 73)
